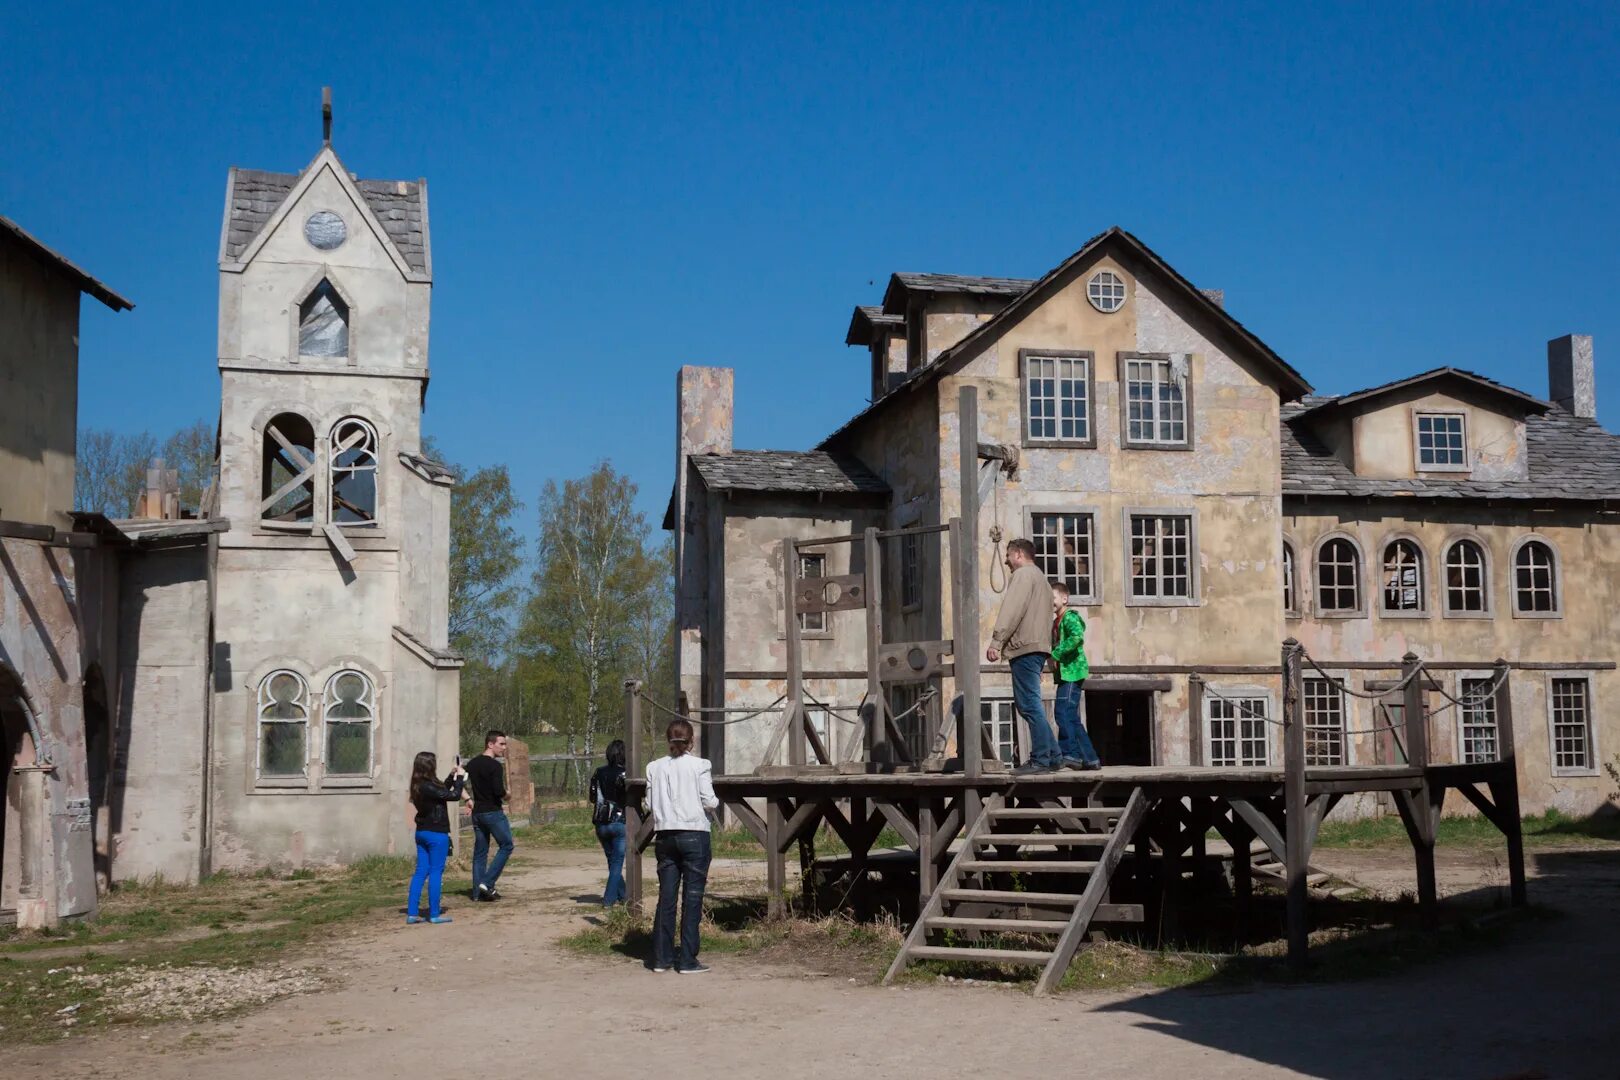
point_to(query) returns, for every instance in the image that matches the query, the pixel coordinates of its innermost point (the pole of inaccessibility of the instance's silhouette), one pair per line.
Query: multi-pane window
(1000, 719)
(911, 570)
(1478, 719)
(351, 721)
(1571, 724)
(1063, 550)
(1290, 576)
(1106, 291)
(1465, 577)
(1155, 403)
(813, 566)
(1441, 443)
(1161, 556)
(354, 472)
(1237, 730)
(1057, 398)
(1338, 577)
(283, 712)
(1403, 576)
(1535, 579)
(1324, 722)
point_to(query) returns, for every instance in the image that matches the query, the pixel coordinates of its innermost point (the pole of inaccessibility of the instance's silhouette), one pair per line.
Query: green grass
(1551, 829)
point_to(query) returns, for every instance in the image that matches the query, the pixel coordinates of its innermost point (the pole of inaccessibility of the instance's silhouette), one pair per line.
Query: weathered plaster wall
(704, 411)
(949, 318)
(156, 809)
(39, 388)
(1383, 439)
(1585, 631)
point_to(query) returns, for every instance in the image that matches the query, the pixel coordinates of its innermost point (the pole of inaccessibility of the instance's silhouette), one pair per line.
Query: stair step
(1008, 813)
(1049, 839)
(1005, 896)
(1029, 866)
(1011, 926)
(987, 956)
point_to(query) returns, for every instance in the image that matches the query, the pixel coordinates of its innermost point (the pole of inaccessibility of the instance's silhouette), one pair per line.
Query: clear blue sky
(617, 191)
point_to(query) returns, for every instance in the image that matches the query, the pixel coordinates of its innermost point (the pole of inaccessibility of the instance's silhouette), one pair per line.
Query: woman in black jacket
(607, 813)
(431, 799)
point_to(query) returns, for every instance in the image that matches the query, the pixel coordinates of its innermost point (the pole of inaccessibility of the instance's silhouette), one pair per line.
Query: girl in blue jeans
(607, 814)
(431, 799)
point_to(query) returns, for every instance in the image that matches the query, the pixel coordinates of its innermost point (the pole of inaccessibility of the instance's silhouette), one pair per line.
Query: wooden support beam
(876, 700)
(804, 820)
(795, 652)
(1505, 789)
(927, 854)
(1195, 719)
(750, 820)
(1295, 862)
(1415, 806)
(775, 861)
(898, 820)
(634, 770)
(1262, 827)
(965, 593)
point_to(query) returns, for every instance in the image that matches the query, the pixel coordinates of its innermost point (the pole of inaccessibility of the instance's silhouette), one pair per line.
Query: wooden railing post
(793, 721)
(875, 704)
(1506, 793)
(1421, 825)
(635, 769)
(1294, 812)
(965, 598)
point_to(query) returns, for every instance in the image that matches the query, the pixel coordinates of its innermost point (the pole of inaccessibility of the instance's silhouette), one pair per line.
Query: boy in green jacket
(1069, 658)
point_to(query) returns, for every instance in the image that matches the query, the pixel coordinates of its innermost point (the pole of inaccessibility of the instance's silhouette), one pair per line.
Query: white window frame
(1421, 611)
(1471, 720)
(822, 721)
(263, 700)
(371, 446)
(1234, 696)
(1360, 564)
(1083, 393)
(1488, 607)
(813, 623)
(1290, 576)
(369, 700)
(1002, 719)
(1556, 569)
(1593, 757)
(1159, 514)
(1105, 290)
(1090, 515)
(1161, 374)
(1418, 418)
(1329, 732)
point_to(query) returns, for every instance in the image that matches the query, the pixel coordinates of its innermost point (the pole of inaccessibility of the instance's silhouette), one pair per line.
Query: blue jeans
(612, 837)
(485, 825)
(1072, 738)
(683, 870)
(1026, 676)
(432, 849)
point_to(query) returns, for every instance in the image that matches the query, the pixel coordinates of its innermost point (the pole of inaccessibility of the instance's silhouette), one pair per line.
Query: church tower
(332, 667)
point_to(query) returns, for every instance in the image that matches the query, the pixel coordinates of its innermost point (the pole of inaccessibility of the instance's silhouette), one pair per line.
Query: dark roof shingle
(399, 206)
(809, 471)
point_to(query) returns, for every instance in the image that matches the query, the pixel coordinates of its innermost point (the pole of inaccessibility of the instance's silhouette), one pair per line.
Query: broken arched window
(323, 323)
(287, 474)
(354, 472)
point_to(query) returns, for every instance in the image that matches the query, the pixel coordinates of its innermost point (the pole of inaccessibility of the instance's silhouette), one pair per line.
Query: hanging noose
(995, 539)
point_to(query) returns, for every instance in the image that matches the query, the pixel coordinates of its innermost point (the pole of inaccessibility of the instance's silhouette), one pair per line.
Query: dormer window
(1442, 441)
(323, 323)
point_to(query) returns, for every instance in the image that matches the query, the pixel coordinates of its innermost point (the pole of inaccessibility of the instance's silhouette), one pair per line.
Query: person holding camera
(607, 814)
(680, 794)
(431, 800)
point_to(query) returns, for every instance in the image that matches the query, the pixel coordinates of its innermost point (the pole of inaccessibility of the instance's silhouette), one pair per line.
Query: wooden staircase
(974, 898)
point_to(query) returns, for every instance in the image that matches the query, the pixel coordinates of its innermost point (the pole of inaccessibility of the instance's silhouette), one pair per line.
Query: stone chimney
(704, 411)
(1570, 379)
(161, 499)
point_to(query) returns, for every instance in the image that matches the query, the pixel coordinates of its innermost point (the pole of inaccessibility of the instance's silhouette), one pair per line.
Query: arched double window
(283, 715)
(1403, 591)
(1338, 577)
(1467, 580)
(351, 722)
(353, 472)
(1535, 579)
(287, 475)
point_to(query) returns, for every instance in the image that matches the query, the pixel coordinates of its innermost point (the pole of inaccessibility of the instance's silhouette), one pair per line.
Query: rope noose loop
(996, 536)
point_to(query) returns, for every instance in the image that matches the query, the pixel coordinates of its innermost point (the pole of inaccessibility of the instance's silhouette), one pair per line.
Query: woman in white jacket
(680, 794)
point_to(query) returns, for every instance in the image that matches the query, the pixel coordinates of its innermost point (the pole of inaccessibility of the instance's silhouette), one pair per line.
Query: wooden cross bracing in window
(293, 460)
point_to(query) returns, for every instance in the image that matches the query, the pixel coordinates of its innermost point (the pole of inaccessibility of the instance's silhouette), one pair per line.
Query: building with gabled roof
(1202, 503)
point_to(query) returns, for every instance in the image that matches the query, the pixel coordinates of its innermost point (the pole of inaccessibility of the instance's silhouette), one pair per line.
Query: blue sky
(617, 190)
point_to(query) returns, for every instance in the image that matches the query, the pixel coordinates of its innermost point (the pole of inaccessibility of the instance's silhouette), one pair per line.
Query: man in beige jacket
(1023, 633)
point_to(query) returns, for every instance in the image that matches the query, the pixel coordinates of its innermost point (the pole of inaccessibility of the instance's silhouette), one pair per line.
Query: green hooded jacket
(1069, 648)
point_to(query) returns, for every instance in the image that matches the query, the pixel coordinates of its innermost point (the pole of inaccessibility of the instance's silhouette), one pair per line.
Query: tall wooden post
(635, 769)
(1420, 826)
(965, 598)
(1195, 719)
(793, 721)
(1294, 811)
(1505, 793)
(877, 707)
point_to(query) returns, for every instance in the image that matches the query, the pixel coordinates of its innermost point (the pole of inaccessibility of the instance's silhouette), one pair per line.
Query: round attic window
(1106, 291)
(325, 230)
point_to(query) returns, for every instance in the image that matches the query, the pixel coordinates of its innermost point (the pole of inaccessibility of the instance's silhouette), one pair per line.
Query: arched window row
(347, 715)
(292, 462)
(1403, 581)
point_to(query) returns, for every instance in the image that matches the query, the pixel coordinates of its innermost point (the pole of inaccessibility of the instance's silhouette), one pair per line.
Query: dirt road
(493, 995)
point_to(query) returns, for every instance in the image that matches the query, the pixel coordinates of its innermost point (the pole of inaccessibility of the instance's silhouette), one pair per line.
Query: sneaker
(695, 969)
(483, 892)
(1081, 766)
(659, 969)
(440, 919)
(490, 894)
(412, 920)
(1029, 768)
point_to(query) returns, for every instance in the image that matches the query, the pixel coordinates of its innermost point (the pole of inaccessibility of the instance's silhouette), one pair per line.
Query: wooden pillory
(969, 830)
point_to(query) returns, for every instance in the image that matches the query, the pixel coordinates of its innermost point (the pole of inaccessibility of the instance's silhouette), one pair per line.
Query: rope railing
(703, 722)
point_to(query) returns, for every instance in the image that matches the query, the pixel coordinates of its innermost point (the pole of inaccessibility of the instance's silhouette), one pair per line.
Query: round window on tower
(325, 230)
(1106, 291)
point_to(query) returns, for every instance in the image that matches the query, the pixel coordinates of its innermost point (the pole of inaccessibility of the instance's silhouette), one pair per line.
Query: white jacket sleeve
(706, 787)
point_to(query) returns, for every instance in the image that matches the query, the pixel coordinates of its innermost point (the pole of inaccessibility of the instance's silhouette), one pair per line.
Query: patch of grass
(1552, 829)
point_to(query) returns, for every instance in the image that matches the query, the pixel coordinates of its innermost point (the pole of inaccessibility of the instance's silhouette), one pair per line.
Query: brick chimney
(1570, 379)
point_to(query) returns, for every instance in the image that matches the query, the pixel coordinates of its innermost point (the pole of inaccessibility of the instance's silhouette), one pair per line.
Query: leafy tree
(485, 557)
(111, 466)
(192, 452)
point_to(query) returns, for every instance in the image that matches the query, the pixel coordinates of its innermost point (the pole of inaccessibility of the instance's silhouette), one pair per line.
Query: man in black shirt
(486, 779)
